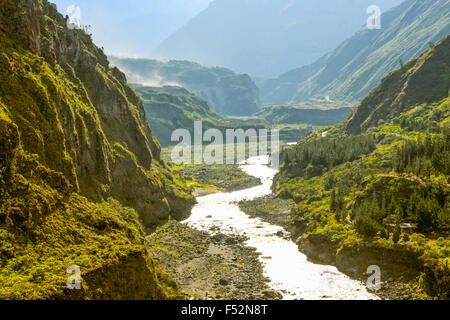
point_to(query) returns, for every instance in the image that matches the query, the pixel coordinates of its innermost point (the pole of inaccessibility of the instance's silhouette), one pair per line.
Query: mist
(133, 28)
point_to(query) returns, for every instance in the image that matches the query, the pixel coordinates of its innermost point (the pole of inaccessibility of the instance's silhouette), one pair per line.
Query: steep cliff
(75, 150)
(79, 115)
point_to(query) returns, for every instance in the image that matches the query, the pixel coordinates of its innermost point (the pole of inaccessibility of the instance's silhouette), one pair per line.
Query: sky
(133, 27)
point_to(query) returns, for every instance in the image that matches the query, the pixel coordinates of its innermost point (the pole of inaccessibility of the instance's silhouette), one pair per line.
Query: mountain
(227, 93)
(417, 84)
(169, 108)
(80, 172)
(360, 184)
(349, 72)
(313, 115)
(266, 37)
(133, 29)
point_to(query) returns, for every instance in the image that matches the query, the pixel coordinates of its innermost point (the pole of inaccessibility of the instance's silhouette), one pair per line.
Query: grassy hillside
(80, 173)
(354, 68)
(413, 90)
(227, 93)
(170, 108)
(387, 164)
(312, 115)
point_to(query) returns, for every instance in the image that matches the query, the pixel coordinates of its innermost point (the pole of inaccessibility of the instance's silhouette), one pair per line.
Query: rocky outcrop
(436, 280)
(80, 173)
(79, 115)
(130, 277)
(397, 264)
(394, 263)
(318, 248)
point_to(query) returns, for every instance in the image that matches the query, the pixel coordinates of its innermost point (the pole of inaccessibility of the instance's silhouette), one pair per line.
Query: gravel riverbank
(210, 267)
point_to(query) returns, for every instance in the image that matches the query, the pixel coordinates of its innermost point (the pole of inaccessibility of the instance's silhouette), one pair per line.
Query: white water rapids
(284, 264)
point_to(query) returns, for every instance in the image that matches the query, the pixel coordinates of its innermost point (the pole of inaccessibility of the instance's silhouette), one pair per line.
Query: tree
(333, 203)
(384, 234)
(406, 237)
(396, 236)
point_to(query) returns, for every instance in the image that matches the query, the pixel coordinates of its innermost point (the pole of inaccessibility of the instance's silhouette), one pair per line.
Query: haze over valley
(249, 150)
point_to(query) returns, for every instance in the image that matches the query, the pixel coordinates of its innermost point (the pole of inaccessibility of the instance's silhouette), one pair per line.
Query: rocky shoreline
(323, 251)
(400, 270)
(215, 267)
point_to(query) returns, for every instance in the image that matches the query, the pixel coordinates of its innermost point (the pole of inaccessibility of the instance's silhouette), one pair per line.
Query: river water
(289, 270)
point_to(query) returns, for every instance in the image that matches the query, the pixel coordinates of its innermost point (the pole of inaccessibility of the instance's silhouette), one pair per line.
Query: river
(288, 269)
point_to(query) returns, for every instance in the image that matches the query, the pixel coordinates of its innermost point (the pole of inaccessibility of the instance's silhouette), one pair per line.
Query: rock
(231, 241)
(272, 295)
(224, 282)
(218, 237)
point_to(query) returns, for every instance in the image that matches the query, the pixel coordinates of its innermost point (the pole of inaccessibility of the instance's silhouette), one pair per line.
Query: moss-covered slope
(79, 115)
(75, 150)
(356, 183)
(424, 80)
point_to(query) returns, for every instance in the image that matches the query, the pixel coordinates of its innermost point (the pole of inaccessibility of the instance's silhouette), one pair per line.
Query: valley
(113, 183)
(221, 218)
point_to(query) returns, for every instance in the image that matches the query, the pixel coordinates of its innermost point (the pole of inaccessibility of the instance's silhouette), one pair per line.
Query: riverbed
(288, 269)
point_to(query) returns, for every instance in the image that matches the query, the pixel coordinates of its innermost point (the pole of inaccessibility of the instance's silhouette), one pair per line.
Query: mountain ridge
(255, 36)
(227, 92)
(349, 72)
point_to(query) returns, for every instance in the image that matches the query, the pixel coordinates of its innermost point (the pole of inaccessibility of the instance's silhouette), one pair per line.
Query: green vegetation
(290, 133)
(311, 158)
(227, 93)
(269, 208)
(224, 177)
(80, 173)
(45, 228)
(356, 182)
(171, 108)
(424, 157)
(314, 115)
(348, 73)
